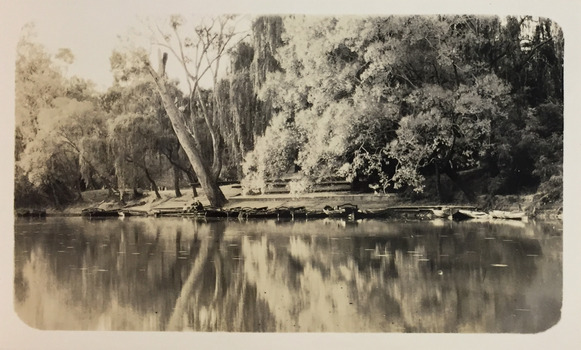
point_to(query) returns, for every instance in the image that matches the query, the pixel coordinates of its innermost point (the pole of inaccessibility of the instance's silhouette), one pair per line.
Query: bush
(273, 155)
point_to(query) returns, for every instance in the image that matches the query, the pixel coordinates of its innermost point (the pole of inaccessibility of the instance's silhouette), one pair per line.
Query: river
(151, 274)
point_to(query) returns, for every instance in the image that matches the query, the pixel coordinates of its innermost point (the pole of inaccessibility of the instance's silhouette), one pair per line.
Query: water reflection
(176, 274)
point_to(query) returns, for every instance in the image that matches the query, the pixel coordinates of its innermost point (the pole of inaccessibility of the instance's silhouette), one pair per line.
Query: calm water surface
(371, 276)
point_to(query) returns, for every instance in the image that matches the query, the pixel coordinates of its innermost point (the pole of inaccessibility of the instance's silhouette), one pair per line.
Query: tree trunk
(191, 285)
(188, 143)
(103, 178)
(438, 184)
(55, 196)
(106, 181)
(455, 177)
(176, 181)
(153, 184)
(187, 169)
(192, 180)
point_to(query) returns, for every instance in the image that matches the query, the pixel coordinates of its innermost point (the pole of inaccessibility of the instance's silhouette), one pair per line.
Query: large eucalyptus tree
(199, 49)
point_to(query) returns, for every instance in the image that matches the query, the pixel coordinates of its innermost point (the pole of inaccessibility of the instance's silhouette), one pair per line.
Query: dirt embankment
(312, 201)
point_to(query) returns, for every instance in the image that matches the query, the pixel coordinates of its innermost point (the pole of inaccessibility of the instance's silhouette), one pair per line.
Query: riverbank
(148, 203)
(311, 201)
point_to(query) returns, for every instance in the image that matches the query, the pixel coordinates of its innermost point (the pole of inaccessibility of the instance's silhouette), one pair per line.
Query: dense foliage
(388, 103)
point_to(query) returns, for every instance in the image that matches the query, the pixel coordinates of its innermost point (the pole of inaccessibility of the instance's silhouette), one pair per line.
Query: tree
(449, 129)
(247, 116)
(132, 138)
(62, 152)
(38, 81)
(199, 54)
(393, 99)
(270, 160)
(134, 94)
(321, 96)
(59, 128)
(533, 153)
(169, 146)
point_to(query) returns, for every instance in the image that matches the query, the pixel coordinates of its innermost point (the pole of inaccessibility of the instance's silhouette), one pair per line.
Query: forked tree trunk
(185, 136)
(153, 183)
(187, 169)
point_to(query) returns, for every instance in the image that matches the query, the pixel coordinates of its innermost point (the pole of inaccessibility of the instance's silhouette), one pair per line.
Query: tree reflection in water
(174, 274)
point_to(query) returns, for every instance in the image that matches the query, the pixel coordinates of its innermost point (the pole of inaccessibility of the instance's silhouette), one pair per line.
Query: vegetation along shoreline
(450, 110)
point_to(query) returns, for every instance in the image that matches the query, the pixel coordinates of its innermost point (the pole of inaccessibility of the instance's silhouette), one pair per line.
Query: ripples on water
(371, 276)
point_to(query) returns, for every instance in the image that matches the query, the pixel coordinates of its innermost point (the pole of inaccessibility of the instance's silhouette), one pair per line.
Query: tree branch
(530, 55)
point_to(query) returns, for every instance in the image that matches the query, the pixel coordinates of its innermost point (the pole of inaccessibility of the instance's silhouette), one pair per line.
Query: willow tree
(199, 53)
(133, 139)
(64, 150)
(247, 115)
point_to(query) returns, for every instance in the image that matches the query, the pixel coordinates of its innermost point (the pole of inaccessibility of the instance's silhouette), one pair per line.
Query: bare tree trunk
(176, 181)
(152, 181)
(192, 180)
(187, 169)
(188, 142)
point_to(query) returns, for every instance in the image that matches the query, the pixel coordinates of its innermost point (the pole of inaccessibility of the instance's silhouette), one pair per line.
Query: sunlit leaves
(421, 138)
(447, 125)
(38, 82)
(128, 66)
(351, 82)
(62, 148)
(270, 160)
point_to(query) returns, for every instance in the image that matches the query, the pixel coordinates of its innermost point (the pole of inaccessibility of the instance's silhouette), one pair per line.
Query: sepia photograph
(292, 172)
